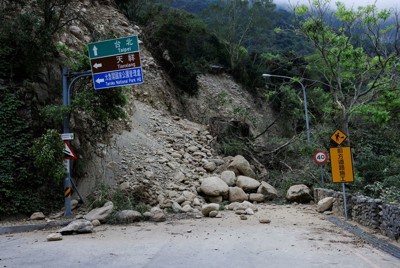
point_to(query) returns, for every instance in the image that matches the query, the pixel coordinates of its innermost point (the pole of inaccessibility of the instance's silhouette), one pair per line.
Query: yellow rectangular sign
(342, 164)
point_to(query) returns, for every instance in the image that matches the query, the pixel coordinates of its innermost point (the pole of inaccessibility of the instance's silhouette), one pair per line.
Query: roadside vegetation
(347, 59)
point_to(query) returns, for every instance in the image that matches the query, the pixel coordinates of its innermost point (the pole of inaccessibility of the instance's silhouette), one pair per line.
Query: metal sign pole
(322, 176)
(344, 201)
(66, 102)
(67, 181)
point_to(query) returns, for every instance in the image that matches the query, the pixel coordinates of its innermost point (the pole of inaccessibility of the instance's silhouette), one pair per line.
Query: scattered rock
(37, 216)
(236, 194)
(243, 217)
(100, 214)
(269, 192)
(241, 166)
(247, 183)
(207, 208)
(325, 204)
(214, 186)
(78, 226)
(299, 193)
(229, 177)
(54, 237)
(128, 216)
(265, 221)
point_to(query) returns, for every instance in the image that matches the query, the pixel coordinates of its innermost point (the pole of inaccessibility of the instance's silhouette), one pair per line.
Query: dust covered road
(296, 237)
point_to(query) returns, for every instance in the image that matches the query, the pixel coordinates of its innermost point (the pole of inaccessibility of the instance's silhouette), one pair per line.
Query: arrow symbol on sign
(95, 50)
(98, 81)
(97, 65)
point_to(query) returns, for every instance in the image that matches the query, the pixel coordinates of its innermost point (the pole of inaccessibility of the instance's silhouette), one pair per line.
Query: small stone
(54, 237)
(265, 221)
(96, 223)
(243, 217)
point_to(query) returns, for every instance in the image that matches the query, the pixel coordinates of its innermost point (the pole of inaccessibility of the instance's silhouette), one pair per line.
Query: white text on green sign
(113, 47)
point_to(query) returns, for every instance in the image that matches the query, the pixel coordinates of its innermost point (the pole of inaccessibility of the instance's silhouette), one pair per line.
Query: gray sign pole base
(344, 201)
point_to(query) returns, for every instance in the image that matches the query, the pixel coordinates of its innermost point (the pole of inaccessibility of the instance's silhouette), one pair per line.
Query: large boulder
(229, 177)
(214, 186)
(241, 166)
(100, 214)
(299, 193)
(269, 192)
(247, 184)
(325, 204)
(79, 226)
(236, 194)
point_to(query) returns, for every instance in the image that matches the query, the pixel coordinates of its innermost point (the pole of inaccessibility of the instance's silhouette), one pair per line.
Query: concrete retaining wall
(369, 212)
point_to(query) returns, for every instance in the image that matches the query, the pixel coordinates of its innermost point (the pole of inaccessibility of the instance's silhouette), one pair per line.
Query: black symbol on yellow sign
(67, 192)
(338, 137)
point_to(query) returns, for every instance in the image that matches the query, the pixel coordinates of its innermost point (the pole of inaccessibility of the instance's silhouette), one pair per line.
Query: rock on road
(296, 237)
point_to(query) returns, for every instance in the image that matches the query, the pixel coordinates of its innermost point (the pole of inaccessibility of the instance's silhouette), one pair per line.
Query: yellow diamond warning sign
(342, 164)
(338, 137)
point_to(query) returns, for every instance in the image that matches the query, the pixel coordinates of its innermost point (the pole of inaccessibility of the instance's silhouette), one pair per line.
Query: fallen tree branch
(283, 145)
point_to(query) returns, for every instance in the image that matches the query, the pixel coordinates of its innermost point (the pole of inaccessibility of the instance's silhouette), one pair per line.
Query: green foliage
(48, 155)
(180, 42)
(102, 105)
(75, 60)
(22, 188)
(26, 37)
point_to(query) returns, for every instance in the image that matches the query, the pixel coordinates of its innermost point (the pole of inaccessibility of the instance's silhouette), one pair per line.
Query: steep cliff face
(149, 150)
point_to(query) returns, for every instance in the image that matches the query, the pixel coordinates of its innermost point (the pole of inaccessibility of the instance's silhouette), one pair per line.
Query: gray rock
(214, 186)
(236, 194)
(241, 166)
(210, 166)
(54, 237)
(299, 193)
(259, 198)
(37, 216)
(269, 192)
(247, 183)
(207, 208)
(229, 177)
(78, 226)
(128, 216)
(100, 214)
(325, 204)
(215, 199)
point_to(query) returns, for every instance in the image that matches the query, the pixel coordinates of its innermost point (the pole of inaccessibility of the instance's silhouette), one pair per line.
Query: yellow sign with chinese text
(342, 164)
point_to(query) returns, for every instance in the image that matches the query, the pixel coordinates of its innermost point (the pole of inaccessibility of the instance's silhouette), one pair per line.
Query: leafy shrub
(48, 156)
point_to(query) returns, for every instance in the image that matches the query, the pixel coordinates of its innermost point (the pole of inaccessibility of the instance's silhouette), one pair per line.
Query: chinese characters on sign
(116, 62)
(342, 164)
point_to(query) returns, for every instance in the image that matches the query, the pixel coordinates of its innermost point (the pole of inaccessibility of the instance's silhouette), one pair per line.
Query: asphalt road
(227, 242)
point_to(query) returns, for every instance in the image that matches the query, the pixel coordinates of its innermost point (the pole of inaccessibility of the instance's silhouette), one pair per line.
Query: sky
(349, 3)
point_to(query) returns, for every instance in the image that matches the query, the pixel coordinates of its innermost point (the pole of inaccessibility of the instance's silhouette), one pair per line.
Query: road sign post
(115, 62)
(342, 169)
(321, 157)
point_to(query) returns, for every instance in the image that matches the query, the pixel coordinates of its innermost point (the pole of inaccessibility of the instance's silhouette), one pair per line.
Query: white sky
(395, 4)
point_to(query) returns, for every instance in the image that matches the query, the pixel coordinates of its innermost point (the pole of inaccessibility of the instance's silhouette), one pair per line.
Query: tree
(355, 73)
(234, 21)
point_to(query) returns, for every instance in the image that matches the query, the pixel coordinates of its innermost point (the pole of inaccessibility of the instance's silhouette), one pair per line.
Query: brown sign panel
(115, 63)
(342, 164)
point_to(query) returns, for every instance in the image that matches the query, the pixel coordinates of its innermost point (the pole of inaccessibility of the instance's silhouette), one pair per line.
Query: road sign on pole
(115, 62)
(342, 164)
(320, 157)
(338, 137)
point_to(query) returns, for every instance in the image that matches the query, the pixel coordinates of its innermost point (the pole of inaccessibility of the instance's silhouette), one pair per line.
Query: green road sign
(113, 47)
